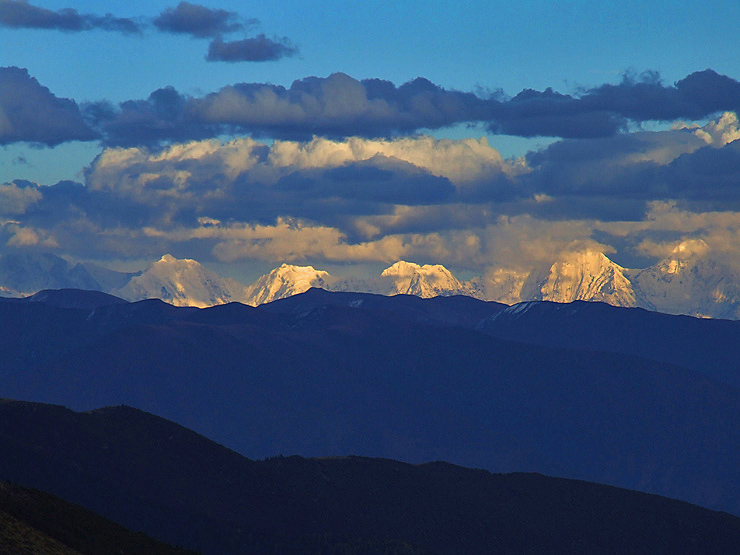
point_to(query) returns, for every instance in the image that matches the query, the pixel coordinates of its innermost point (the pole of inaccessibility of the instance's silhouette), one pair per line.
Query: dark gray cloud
(613, 177)
(18, 14)
(200, 21)
(708, 174)
(166, 116)
(334, 106)
(378, 180)
(646, 98)
(30, 112)
(340, 106)
(256, 49)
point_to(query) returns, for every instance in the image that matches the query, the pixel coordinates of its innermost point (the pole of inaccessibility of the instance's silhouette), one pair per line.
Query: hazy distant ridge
(691, 280)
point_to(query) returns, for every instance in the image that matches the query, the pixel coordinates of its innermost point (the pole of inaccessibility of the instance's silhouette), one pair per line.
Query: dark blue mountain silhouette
(156, 476)
(411, 380)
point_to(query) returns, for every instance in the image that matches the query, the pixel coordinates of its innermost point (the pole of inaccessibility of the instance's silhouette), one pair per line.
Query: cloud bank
(339, 107)
(337, 170)
(358, 200)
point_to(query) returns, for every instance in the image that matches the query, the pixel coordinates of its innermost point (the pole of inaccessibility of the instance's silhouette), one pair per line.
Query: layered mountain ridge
(584, 390)
(692, 280)
(157, 476)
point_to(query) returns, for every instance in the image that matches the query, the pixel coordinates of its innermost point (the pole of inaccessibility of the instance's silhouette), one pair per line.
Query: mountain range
(691, 280)
(156, 476)
(620, 396)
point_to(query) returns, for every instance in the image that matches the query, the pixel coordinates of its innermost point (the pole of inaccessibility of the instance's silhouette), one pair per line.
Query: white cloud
(16, 200)
(458, 160)
(200, 165)
(29, 237)
(718, 132)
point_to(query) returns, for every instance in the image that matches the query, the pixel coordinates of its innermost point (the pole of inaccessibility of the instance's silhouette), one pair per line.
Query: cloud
(336, 106)
(26, 237)
(255, 49)
(718, 132)
(30, 112)
(293, 240)
(319, 175)
(15, 198)
(18, 14)
(378, 180)
(362, 200)
(195, 20)
(200, 21)
(339, 106)
(462, 161)
(614, 177)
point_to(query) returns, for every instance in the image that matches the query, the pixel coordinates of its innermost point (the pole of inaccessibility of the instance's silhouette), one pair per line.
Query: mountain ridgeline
(33, 522)
(153, 475)
(692, 280)
(619, 396)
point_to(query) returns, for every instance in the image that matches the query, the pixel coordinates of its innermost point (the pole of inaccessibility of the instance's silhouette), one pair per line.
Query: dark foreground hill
(411, 383)
(153, 475)
(36, 523)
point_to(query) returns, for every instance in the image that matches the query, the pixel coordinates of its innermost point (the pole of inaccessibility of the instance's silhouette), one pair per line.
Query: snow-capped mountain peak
(182, 282)
(424, 281)
(401, 269)
(285, 281)
(581, 275)
(682, 256)
(691, 280)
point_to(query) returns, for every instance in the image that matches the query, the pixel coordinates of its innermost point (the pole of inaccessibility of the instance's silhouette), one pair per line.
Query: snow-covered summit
(182, 282)
(587, 275)
(691, 280)
(285, 281)
(23, 274)
(424, 281)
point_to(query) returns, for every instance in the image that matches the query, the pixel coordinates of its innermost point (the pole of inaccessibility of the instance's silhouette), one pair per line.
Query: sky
(485, 136)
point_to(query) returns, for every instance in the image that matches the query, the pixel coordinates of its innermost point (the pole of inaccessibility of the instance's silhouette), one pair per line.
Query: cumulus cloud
(186, 18)
(716, 132)
(244, 178)
(15, 198)
(27, 237)
(461, 161)
(340, 106)
(454, 202)
(613, 177)
(254, 49)
(19, 14)
(30, 112)
(199, 21)
(292, 240)
(203, 22)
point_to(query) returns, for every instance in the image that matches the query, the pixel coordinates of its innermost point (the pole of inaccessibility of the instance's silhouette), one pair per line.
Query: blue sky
(611, 85)
(464, 45)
